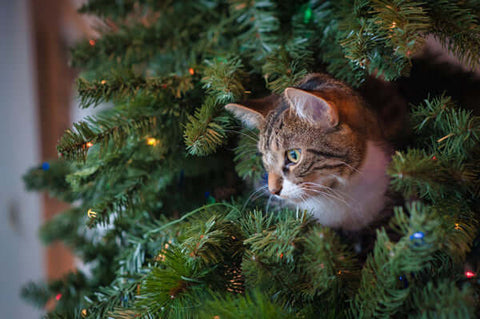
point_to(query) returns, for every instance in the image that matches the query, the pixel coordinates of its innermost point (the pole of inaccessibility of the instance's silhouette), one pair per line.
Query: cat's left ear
(312, 108)
(253, 112)
(250, 117)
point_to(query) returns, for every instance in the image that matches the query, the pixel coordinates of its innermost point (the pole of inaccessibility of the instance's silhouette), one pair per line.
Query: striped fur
(340, 176)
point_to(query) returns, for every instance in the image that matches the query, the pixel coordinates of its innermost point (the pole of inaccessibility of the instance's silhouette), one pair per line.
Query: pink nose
(274, 183)
(275, 191)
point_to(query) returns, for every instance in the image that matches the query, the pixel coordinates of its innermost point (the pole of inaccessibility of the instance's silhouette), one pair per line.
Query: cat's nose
(275, 191)
(274, 183)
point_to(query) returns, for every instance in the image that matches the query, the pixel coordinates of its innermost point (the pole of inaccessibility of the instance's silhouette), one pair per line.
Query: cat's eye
(293, 156)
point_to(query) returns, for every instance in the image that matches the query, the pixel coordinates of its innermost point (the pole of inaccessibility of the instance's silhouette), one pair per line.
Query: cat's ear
(312, 108)
(253, 112)
(250, 117)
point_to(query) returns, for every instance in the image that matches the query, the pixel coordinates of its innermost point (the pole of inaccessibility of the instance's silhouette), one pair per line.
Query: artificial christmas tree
(171, 173)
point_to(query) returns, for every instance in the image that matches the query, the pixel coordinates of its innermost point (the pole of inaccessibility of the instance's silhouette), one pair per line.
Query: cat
(324, 151)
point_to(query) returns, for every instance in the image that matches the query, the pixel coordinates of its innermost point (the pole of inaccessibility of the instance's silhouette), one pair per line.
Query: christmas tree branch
(114, 125)
(121, 86)
(206, 130)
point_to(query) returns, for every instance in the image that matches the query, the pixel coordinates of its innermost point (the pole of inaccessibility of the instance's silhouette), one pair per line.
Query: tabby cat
(323, 149)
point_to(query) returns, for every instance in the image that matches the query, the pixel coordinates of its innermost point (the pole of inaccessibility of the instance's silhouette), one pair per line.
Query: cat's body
(358, 201)
(324, 151)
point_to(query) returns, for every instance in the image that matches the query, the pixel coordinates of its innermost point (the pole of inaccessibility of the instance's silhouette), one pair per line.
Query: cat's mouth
(294, 200)
(297, 193)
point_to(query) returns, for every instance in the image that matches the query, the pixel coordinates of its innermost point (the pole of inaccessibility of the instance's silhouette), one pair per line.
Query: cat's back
(323, 82)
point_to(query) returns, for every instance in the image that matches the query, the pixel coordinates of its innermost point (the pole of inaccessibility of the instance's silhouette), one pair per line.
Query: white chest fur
(358, 201)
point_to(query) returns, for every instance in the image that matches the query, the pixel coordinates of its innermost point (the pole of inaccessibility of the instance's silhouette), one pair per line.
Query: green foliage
(51, 179)
(381, 293)
(286, 256)
(457, 25)
(277, 244)
(402, 21)
(67, 292)
(251, 306)
(258, 27)
(36, 294)
(120, 293)
(455, 131)
(248, 160)
(139, 220)
(285, 68)
(331, 267)
(327, 19)
(380, 37)
(212, 241)
(444, 300)
(60, 227)
(114, 127)
(106, 7)
(416, 173)
(205, 131)
(387, 36)
(222, 79)
(212, 246)
(117, 87)
(172, 289)
(117, 49)
(451, 138)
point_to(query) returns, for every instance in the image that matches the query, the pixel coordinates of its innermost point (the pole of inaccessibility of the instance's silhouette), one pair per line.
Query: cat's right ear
(312, 108)
(250, 117)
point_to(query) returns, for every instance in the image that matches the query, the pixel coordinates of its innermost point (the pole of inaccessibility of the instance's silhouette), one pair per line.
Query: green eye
(293, 155)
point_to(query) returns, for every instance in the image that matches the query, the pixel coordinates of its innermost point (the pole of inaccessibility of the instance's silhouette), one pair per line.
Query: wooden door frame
(54, 85)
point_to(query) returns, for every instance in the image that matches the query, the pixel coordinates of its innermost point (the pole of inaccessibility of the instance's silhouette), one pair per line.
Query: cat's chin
(287, 200)
(291, 193)
(292, 201)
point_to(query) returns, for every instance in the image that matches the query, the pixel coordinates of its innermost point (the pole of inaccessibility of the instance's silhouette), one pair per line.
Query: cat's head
(311, 143)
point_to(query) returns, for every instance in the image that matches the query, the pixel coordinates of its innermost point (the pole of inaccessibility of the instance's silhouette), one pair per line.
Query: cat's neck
(361, 199)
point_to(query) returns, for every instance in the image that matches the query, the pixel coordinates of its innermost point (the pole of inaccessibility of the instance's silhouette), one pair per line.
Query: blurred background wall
(21, 257)
(36, 105)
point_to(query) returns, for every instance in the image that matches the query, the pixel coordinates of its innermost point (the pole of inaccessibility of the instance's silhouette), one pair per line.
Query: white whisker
(268, 203)
(331, 196)
(320, 186)
(256, 192)
(326, 191)
(351, 167)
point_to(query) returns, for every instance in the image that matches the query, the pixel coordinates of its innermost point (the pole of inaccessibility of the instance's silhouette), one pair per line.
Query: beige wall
(21, 254)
